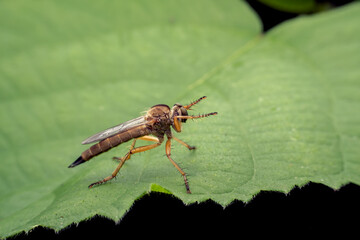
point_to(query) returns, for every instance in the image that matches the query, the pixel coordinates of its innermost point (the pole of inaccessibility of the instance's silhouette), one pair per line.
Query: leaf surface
(287, 101)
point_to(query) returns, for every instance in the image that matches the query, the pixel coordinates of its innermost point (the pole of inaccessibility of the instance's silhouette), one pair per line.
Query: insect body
(157, 121)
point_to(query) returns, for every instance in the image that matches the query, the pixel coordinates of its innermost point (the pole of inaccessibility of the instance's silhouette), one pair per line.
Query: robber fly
(156, 122)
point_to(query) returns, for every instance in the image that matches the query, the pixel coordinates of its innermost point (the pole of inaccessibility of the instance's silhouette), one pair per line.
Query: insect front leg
(184, 143)
(168, 154)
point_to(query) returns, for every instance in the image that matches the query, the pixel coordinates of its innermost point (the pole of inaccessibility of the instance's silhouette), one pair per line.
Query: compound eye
(183, 113)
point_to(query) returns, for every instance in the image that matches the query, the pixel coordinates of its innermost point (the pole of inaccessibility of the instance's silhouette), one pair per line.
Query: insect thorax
(160, 116)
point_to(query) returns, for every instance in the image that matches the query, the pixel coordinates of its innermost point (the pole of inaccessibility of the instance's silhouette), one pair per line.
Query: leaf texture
(288, 103)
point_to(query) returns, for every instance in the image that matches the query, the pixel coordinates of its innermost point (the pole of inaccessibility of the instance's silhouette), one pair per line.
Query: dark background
(313, 210)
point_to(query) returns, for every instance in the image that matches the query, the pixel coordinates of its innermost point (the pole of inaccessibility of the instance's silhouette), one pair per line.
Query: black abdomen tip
(78, 161)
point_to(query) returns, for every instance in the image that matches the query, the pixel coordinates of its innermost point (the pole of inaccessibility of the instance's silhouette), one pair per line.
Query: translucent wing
(115, 130)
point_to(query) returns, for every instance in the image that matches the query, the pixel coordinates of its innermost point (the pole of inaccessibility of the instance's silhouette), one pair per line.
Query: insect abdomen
(108, 143)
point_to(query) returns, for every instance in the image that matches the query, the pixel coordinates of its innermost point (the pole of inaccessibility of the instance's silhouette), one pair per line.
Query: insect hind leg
(128, 155)
(145, 138)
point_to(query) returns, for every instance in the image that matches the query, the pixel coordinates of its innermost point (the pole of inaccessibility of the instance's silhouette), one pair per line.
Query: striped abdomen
(108, 143)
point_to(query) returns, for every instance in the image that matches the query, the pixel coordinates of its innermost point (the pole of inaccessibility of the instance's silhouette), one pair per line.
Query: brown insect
(157, 122)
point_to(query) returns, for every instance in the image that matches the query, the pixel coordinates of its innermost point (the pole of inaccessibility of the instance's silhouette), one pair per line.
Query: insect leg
(146, 138)
(184, 143)
(168, 153)
(126, 157)
(149, 138)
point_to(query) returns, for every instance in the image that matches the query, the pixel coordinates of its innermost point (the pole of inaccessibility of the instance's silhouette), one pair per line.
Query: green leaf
(287, 101)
